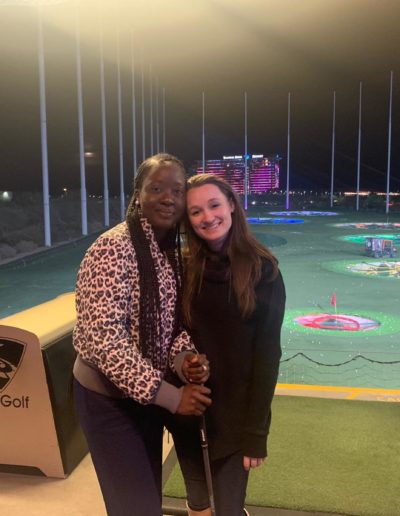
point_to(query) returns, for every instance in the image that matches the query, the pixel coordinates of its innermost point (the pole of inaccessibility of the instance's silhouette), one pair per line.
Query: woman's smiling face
(210, 214)
(162, 197)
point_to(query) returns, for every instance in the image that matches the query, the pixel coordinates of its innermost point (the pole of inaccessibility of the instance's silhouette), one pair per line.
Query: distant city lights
(363, 194)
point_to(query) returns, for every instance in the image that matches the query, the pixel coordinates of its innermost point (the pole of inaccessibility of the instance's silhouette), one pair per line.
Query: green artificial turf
(327, 455)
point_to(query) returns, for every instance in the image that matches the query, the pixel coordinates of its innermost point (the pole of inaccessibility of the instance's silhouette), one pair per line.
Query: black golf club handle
(206, 460)
(203, 432)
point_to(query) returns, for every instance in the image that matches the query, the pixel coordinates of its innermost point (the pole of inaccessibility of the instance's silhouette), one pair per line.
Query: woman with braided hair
(128, 335)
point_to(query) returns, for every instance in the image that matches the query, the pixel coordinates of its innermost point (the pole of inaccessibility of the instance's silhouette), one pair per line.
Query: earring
(138, 208)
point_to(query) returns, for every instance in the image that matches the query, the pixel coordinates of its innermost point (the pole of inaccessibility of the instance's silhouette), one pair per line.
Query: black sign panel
(11, 354)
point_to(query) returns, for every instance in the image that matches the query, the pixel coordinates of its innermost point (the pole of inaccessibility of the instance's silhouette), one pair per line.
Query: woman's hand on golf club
(252, 462)
(195, 400)
(196, 368)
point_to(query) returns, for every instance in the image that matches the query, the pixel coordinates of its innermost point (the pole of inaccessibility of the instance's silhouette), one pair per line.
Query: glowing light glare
(394, 194)
(89, 154)
(5, 196)
(31, 2)
(361, 194)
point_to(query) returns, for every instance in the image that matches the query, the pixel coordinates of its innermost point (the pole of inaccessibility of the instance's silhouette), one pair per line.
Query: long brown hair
(245, 253)
(149, 313)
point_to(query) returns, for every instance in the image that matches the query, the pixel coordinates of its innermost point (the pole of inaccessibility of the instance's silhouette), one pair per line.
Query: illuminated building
(262, 172)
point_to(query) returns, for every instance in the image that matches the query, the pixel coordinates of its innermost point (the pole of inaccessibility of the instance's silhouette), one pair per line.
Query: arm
(106, 297)
(267, 353)
(181, 346)
(186, 362)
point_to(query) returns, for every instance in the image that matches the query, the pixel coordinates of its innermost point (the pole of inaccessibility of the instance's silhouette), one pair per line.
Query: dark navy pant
(125, 442)
(229, 478)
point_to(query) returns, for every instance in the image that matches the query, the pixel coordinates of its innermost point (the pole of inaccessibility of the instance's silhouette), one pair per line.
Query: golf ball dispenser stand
(39, 432)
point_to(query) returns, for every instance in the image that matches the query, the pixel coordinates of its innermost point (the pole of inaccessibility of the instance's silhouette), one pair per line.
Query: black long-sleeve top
(244, 360)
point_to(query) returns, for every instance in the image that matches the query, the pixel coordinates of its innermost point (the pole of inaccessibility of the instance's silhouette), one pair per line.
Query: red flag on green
(333, 299)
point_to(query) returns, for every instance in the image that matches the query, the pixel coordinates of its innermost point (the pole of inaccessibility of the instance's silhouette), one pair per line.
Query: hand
(195, 400)
(196, 368)
(251, 462)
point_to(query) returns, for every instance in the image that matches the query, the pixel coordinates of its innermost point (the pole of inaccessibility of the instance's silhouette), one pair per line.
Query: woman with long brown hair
(233, 303)
(128, 333)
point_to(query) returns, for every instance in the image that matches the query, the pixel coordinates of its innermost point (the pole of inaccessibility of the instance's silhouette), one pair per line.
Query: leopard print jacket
(107, 302)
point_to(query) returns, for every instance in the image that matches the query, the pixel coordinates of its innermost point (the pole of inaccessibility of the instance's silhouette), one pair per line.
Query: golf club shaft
(206, 460)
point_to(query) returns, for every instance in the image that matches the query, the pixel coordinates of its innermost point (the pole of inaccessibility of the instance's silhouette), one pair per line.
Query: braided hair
(150, 325)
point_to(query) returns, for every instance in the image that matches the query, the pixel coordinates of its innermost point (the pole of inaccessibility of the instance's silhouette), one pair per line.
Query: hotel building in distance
(262, 171)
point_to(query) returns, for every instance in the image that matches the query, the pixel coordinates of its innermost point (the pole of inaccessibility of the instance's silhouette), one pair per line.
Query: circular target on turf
(304, 213)
(344, 324)
(337, 322)
(273, 220)
(388, 269)
(377, 269)
(368, 225)
(268, 239)
(360, 239)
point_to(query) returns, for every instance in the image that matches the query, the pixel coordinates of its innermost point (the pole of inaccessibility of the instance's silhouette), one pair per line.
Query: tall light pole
(80, 126)
(246, 179)
(389, 144)
(333, 146)
(143, 115)
(134, 148)
(203, 138)
(163, 119)
(359, 149)
(120, 135)
(43, 131)
(151, 110)
(104, 134)
(288, 157)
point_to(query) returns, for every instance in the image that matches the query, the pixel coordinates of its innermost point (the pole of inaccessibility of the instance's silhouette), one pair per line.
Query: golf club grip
(206, 461)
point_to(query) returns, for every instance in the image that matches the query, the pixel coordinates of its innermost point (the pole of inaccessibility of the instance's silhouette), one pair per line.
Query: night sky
(222, 47)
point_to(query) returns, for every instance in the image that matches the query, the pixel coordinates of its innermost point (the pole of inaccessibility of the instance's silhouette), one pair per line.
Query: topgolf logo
(11, 354)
